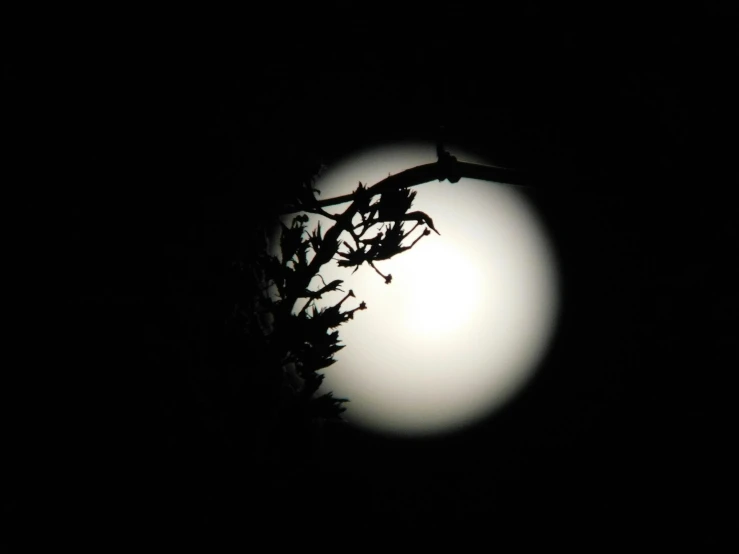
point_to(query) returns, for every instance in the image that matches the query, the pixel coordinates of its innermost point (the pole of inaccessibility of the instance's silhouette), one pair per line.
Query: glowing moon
(468, 315)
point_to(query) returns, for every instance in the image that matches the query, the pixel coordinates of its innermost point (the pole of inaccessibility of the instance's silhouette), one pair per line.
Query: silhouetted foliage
(290, 338)
(279, 317)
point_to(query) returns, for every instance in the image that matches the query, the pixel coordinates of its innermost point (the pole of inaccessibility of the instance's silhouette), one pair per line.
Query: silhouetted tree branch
(443, 169)
(300, 343)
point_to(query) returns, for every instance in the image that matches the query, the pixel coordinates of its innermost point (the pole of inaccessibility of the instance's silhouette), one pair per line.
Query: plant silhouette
(292, 340)
(304, 338)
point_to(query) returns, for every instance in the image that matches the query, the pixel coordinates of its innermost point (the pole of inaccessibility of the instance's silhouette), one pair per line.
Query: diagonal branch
(432, 172)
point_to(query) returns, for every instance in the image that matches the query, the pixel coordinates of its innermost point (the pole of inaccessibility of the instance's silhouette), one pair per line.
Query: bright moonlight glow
(468, 315)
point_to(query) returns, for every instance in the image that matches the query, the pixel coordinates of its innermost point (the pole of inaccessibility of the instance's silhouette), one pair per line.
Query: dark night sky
(623, 435)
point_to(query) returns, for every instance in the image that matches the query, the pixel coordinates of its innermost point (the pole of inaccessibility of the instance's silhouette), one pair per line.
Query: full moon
(468, 316)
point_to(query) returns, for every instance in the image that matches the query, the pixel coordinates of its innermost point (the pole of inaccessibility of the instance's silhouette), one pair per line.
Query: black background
(179, 147)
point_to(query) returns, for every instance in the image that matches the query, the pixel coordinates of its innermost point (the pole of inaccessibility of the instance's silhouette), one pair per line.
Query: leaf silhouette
(353, 257)
(315, 238)
(327, 406)
(390, 245)
(290, 240)
(394, 203)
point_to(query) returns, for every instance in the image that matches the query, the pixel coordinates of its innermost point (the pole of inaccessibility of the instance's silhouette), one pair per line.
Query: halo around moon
(468, 315)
